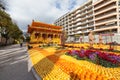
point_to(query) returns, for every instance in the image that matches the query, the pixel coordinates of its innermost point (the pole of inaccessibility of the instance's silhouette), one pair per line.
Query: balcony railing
(105, 22)
(97, 2)
(105, 10)
(107, 26)
(78, 28)
(78, 11)
(79, 32)
(105, 16)
(102, 5)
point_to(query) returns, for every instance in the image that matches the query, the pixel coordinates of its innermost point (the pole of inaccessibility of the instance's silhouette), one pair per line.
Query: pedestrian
(21, 42)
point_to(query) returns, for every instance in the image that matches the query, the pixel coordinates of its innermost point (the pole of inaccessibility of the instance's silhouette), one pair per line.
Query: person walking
(21, 42)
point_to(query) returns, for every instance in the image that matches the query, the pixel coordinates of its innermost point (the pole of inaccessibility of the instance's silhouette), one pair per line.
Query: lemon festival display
(44, 33)
(53, 64)
(73, 62)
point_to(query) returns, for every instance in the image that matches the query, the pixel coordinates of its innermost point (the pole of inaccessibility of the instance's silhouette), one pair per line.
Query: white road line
(10, 54)
(11, 51)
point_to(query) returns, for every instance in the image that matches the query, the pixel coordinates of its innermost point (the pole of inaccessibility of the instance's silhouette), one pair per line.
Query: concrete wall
(3, 41)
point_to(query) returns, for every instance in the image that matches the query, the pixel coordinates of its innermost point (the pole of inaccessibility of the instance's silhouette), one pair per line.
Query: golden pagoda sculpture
(44, 33)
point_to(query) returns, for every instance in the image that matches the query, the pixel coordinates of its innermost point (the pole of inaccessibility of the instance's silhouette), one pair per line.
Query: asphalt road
(14, 63)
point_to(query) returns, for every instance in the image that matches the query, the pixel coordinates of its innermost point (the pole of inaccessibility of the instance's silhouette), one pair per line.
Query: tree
(15, 32)
(11, 29)
(2, 4)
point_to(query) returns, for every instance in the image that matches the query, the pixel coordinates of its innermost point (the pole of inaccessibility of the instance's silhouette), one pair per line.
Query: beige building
(100, 16)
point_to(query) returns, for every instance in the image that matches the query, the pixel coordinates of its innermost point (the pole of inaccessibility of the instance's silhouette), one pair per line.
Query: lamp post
(0, 31)
(83, 36)
(4, 34)
(111, 43)
(0, 34)
(111, 35)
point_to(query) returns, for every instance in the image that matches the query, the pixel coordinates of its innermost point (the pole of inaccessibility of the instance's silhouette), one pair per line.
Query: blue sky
(24, 11)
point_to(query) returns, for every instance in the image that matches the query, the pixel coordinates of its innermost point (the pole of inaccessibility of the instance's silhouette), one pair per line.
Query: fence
(105, 38)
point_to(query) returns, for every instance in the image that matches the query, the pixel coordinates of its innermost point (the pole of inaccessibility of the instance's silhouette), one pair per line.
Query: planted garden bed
(102, 58)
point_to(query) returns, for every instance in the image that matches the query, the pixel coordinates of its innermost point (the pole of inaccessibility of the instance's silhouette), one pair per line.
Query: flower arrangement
(67, 68)
(103, 58)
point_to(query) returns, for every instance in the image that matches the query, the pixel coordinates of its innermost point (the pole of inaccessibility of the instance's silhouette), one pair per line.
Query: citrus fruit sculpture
(52, 64)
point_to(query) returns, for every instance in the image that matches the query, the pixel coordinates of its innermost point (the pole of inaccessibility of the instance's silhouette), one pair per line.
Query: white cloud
(24, 11)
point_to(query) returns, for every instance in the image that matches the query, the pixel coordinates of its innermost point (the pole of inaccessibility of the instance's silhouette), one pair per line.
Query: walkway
(14, 63)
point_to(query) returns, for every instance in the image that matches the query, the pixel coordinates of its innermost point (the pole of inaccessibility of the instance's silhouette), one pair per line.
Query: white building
(100, 16)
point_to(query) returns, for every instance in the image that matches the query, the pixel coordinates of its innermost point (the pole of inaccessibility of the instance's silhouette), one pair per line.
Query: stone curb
(33, 70)
(35, 74)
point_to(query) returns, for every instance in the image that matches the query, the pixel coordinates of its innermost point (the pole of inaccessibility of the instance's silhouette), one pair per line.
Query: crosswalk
(7, 51)
(8, 56)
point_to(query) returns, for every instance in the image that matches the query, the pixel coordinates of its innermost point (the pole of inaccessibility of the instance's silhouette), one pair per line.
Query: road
(14, 63)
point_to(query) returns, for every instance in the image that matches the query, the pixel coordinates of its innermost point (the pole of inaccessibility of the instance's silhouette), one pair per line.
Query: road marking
(9, 51)
(10, 55)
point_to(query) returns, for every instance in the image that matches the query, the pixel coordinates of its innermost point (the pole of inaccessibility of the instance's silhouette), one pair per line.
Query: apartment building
(99, 16)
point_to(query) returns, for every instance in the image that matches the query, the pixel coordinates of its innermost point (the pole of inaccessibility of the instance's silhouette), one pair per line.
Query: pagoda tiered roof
(43, 27)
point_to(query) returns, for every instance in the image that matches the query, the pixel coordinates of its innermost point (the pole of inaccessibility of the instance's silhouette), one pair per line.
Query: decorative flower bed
(63, 67)
(98, 57)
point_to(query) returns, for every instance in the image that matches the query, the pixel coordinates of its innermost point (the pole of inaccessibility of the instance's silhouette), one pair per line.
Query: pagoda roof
(43, 27)
(37, 24)
(40, 29)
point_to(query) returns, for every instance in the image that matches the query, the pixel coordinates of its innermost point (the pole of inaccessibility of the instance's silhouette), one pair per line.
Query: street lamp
(4, 30)
(3, 34)
(83, 36)
(0, 31)
(0, 34)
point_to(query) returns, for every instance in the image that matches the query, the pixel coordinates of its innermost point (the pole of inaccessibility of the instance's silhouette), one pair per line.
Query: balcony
(79, 19)
(85, 13)
(86, 17)
(90, 20)
(97, 2)
(78, 23)
(106, 10)
(119, 3)
(77, 16)
(78, 28)
(78, 32)
(105, 22)
(90, 15)
(90, 11)
(105, 16)
(87, 30)
(105, 4)
(78, 11)
(82, 10)
(107, 25)
(90, 6)
(92, 25)
(106, 28)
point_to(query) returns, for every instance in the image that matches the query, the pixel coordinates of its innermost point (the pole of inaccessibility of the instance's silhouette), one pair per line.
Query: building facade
(44, 33)
(99, 16)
